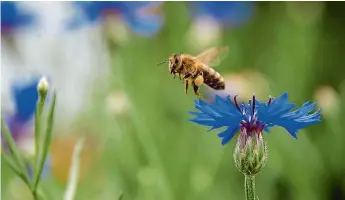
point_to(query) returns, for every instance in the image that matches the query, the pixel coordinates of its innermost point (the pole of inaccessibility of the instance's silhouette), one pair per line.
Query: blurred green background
(141, 144)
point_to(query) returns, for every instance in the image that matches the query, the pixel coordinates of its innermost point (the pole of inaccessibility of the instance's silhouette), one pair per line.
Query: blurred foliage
(151, 151)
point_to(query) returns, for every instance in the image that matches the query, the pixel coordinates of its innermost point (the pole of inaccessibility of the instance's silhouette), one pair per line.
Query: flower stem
(38, 116)
(34, 194)
(249, 185)
(46, 144)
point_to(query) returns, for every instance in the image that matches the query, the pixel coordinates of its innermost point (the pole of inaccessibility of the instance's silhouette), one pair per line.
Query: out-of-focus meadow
(134, 115)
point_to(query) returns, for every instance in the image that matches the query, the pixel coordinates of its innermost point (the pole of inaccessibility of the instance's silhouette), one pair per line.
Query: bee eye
(177, 60)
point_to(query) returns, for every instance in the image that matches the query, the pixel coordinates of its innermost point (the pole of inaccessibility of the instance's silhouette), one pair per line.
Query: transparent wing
(213, 56)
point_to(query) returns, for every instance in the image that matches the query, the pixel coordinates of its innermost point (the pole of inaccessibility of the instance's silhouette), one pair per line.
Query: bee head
(174, 62)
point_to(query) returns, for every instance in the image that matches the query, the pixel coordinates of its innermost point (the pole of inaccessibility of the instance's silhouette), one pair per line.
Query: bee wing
(213, 56)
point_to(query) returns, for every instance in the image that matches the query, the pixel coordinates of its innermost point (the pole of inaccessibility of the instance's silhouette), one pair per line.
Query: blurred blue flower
(25, 97)
(144, 23)
(12, 17)
(255, 116)
(231, 13)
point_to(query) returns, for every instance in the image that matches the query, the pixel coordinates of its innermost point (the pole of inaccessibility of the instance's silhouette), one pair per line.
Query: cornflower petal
(222, 113)
(278, 114)
(255, 116)
(228, 134)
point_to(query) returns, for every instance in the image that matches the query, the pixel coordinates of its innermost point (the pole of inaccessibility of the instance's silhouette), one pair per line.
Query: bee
(195, 71)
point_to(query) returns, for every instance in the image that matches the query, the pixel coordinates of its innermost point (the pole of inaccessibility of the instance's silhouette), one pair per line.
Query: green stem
(34, 195)
(249, 184)
(46, 145)
(38, 114)
(38, 194)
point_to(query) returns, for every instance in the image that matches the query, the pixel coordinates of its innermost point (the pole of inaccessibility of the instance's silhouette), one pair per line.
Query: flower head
(144, 23)
(12, 17)
(255, 116)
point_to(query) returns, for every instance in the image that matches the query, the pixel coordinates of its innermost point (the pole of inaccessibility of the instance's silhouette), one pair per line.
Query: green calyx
(250, 153)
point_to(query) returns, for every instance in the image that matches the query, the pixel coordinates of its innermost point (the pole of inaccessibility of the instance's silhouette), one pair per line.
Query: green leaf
(121, 196)
(74, 171)
(12, 165)
(19, 169)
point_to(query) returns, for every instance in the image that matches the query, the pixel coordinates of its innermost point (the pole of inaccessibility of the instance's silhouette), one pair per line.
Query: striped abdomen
(213, 79)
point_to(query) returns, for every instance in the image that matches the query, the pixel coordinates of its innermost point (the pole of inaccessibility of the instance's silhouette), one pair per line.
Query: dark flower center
(251, 125)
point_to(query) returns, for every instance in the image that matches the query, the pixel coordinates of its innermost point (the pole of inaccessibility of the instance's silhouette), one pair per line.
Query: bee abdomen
(213, 79)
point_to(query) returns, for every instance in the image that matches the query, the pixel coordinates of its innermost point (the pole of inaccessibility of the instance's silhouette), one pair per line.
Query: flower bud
(43, 87)
(250, 153)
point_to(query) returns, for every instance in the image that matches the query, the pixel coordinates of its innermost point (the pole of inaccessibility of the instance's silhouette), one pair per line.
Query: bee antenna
(162, 62)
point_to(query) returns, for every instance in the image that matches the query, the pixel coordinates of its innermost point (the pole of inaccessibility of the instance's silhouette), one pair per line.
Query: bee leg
(196, 90)
(186, 86)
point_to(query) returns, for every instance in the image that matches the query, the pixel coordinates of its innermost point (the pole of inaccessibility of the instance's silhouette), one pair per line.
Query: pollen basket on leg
(199, 80)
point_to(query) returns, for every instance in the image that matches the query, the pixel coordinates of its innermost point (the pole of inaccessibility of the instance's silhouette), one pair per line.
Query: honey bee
(195, 71)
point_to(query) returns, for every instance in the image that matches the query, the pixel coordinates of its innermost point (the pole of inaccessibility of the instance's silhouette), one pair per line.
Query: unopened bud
(43, 87)
(250, 153)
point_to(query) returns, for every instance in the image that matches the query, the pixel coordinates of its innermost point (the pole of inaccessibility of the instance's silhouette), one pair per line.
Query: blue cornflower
(144, 23)
(230, 13)
(25, 97)
(12, 17)
(254, 117)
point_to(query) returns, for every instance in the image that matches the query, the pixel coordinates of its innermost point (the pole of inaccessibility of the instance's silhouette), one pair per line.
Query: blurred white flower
(243, 84)
(204, 32)
(26, 145)
(116, 30)
(73, 60)
(328, 99)
(117, 102)
(305, 12)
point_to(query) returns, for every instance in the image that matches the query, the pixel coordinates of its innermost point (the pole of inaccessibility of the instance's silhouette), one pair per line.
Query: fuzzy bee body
(213, 79)
(195, 71)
